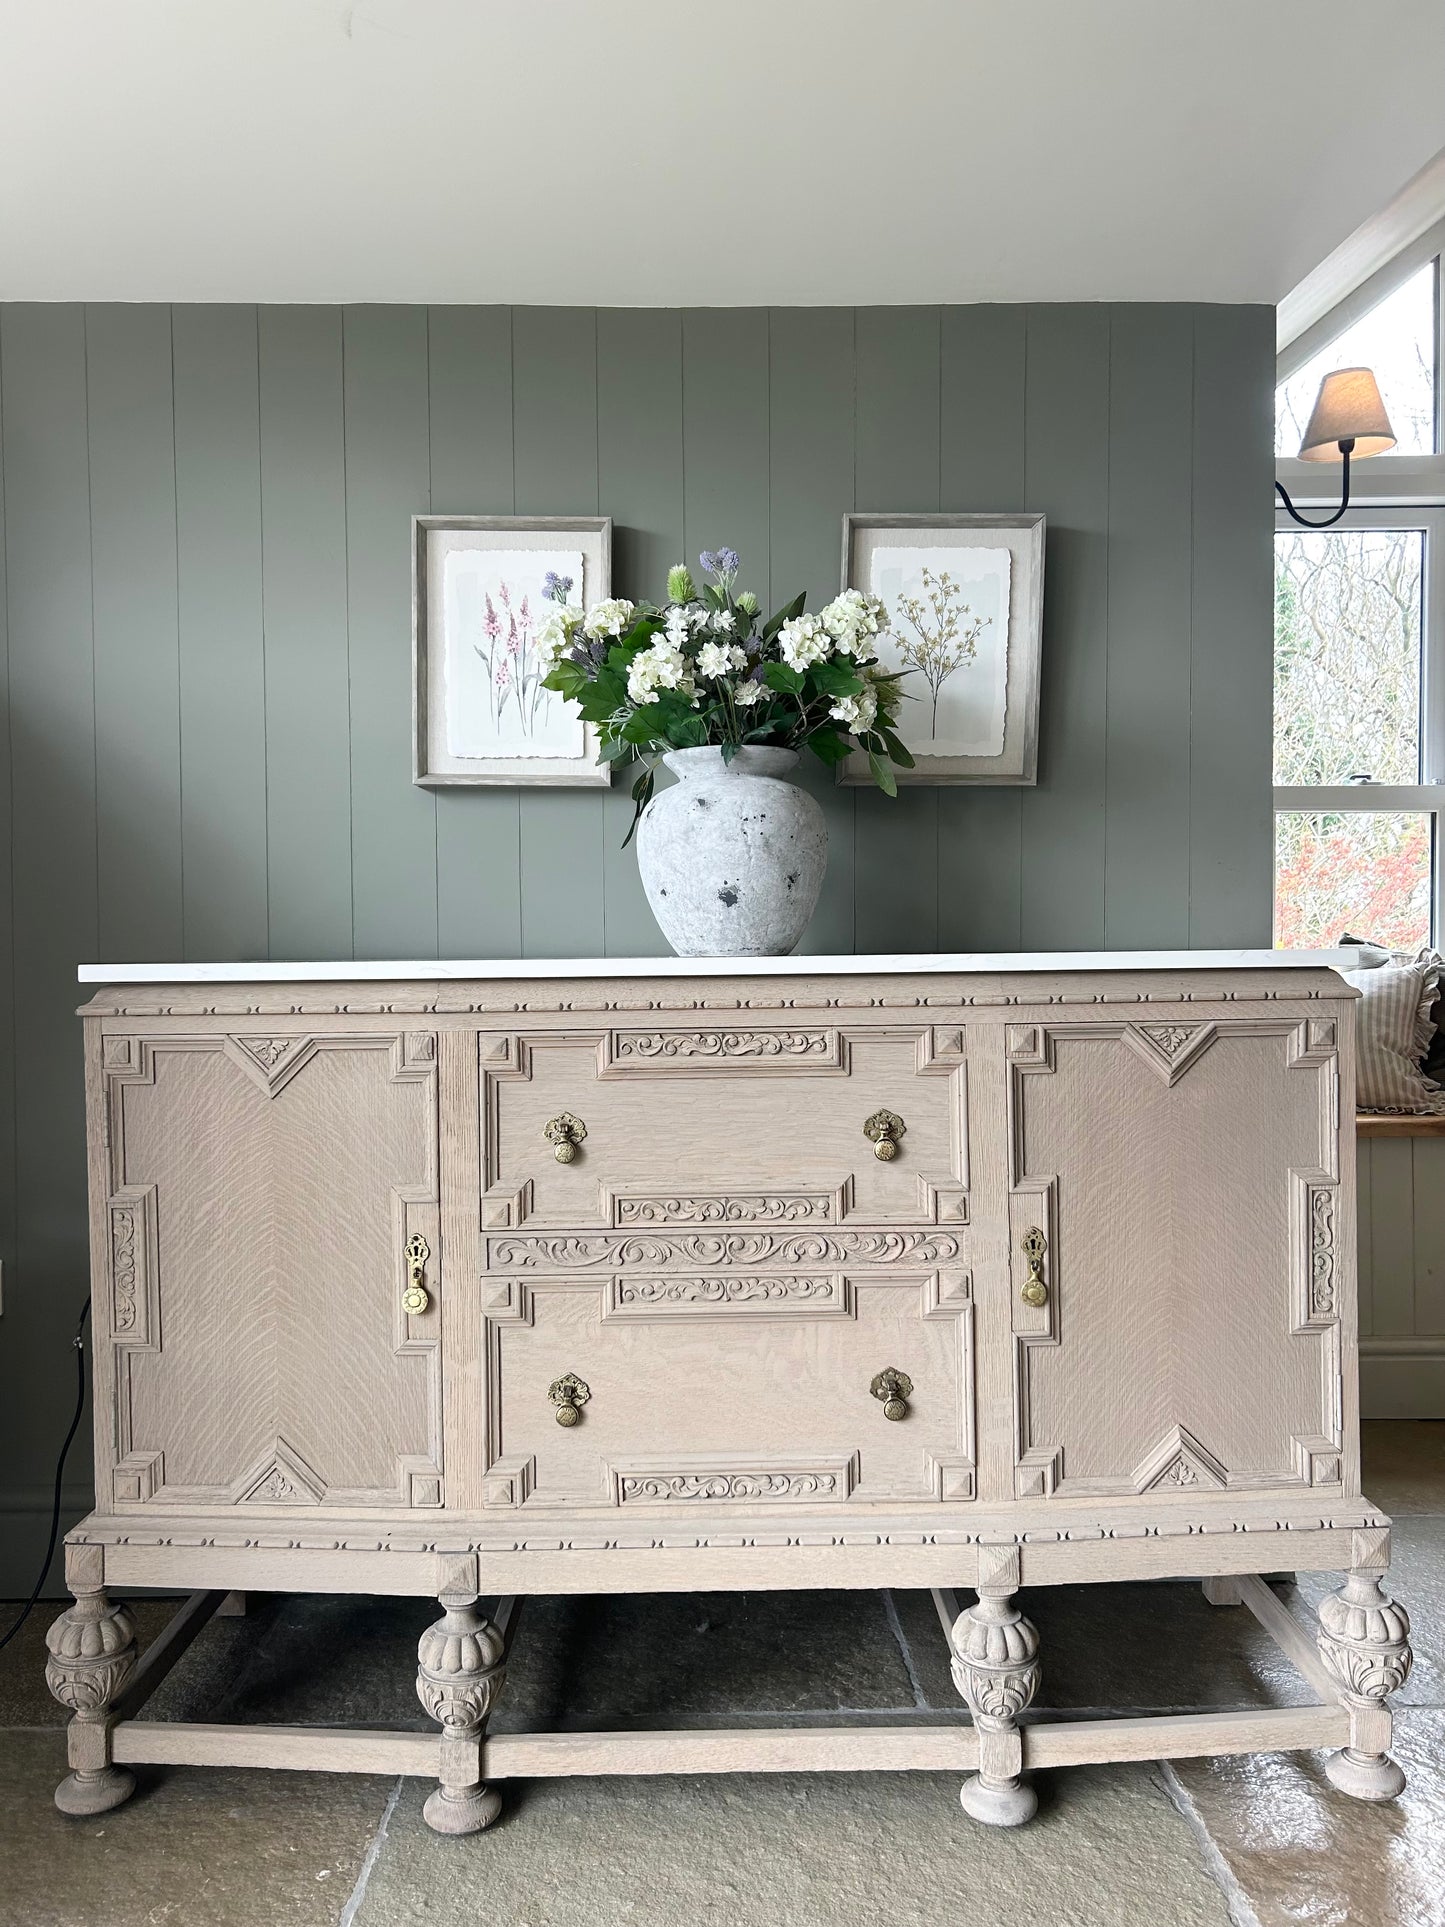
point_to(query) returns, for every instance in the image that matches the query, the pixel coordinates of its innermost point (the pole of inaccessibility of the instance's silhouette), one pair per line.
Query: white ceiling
(717, 152)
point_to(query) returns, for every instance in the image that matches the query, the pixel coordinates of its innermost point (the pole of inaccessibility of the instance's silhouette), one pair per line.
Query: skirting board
(1402, 1377)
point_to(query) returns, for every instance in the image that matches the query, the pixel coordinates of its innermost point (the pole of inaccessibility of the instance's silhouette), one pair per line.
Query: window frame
(1427, 797)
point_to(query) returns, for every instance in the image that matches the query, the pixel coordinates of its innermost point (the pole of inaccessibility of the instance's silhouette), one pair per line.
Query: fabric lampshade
(1348, 407)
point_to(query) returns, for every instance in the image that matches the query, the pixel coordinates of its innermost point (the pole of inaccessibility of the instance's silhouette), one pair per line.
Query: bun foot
(1365, 1776)
(83, 1793)
(1008, 1804)
(461, 1809)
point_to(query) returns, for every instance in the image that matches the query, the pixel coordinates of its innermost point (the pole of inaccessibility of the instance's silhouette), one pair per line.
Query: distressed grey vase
(732, 855)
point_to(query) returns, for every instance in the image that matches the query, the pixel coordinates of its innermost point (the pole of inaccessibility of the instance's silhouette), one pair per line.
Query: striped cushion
(1392, 1031)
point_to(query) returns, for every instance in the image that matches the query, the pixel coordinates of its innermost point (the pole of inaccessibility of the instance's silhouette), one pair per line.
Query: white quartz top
(963, 963)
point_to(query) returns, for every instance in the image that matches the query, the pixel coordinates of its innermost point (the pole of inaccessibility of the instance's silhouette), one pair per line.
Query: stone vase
(732, 855)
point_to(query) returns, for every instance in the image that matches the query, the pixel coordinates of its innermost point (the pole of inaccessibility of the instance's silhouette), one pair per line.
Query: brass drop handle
(885, 1128)
(895, 1388)
(564, 1134)
(416, 1298)
(569, 1395)
(1033, 1290)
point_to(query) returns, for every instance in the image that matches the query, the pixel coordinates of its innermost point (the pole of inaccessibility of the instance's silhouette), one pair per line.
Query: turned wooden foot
(92, 1655)
(1364, 1640)
(459, 1675)
(996, 1669)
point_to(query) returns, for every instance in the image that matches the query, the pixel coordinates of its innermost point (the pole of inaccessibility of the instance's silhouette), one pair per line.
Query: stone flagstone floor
(1261, 1842)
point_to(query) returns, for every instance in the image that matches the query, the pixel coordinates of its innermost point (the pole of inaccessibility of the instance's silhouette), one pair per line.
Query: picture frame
(479, 713)
(964, 594)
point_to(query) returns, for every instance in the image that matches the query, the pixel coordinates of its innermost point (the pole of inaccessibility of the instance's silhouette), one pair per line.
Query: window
(1399, 340)
(1359, 678)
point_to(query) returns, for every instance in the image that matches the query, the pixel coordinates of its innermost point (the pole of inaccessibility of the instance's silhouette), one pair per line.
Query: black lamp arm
(1345, 449)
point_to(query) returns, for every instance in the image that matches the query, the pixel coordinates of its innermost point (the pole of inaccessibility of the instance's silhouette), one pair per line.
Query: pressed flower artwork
(962, 596)
(483, 589)
(948, 623)
(494, 605)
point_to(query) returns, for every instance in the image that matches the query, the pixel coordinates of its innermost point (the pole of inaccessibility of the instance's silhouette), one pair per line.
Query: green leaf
(827, 745)
(777, 675)
(903, 757)
(641, 797)
(789, 614)
(881, 774)
(835, 679)
(616, 751)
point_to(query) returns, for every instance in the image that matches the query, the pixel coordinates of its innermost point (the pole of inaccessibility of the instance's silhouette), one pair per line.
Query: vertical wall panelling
(981, 467)
(899, 367)
(393, 823)
(53, 878)
(725, 437)
(1067, 454)
(8, 935)
(554, 391)
(1231, 675)
(308, 698)
(1364, 1230)
(1392, 1236)
(810, 486)
(1427, 1176)
(639, 460)
(479, 874)
(222, 667)
(1146, 816)
(137, 663)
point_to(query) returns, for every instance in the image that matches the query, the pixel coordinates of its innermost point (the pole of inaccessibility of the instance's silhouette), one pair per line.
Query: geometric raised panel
(1178, 1460)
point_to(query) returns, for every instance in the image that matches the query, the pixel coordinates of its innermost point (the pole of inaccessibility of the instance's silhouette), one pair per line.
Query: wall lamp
(1350, 417)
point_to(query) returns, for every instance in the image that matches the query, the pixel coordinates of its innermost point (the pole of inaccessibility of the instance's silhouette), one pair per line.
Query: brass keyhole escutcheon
(416, 1298)
(1033, 1290)
(895, 1388)
(885, 1128)
(569, 1395)
(564, 1134)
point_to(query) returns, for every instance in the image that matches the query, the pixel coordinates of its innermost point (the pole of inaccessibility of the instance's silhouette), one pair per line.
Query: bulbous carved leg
(92, 1655)
(996, 1669)
(459, 1675)
(1364, 1640)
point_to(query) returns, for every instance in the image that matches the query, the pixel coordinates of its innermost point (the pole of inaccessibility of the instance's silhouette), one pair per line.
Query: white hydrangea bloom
(856, 712)
(724, 622)
(659, 667)
(677, 626)
(804, 640)
(745, 694)
(608, 618)
(554, 638)
(852, 620)
(714, 659)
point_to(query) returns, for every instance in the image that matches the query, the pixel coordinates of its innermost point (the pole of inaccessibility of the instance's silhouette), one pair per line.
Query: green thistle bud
(680, 585)
(748, 603)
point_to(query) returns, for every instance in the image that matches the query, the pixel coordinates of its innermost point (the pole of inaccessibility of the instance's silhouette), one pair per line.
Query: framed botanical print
(964, 595)
(481, 588)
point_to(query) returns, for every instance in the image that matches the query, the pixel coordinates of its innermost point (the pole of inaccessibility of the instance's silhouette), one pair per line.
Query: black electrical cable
(79, 1342)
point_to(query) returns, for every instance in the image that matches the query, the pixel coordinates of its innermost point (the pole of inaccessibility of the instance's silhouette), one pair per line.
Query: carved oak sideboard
(969, 1274)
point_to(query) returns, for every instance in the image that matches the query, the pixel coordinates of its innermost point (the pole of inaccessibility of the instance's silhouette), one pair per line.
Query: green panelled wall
(206, 600)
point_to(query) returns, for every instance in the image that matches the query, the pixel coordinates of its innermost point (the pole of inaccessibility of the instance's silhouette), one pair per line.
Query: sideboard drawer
(762, 1123)
(747, 1389)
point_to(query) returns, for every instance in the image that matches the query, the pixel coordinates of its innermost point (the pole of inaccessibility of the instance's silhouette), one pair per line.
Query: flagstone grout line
(1236, 1901)
(373, 1852)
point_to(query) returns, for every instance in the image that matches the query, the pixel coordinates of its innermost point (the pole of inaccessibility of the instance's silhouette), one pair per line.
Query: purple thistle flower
(728, 562)
(556, 587)
(708, 562)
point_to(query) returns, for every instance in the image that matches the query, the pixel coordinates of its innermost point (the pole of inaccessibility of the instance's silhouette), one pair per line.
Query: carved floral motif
(265, 1051)
(649, 1487)
(665, 1045)
(727, 1291)
(123, 1266)
(756, 1207)
(725, 1248)
(1322, 1252)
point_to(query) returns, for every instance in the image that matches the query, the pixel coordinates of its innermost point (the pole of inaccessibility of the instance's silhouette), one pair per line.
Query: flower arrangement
(705, 670)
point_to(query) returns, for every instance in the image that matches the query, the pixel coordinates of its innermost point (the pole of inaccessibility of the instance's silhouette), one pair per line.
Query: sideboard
(962, 1273)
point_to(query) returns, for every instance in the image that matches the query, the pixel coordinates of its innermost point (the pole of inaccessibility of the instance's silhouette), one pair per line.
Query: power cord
(79, 1343)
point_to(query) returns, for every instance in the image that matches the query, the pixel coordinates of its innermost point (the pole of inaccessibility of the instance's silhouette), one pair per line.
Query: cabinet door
(753, 1123)
(1184, 1180)
(262, 1192)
